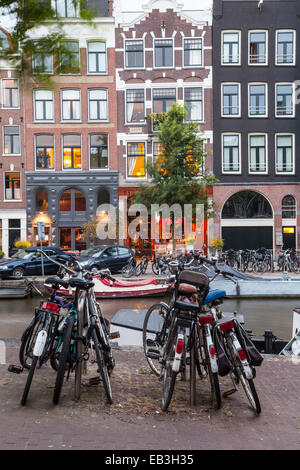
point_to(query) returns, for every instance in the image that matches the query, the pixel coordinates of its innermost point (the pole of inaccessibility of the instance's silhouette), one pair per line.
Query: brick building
(71, 145)
(12, 153)
(256, 123)
(163, 55)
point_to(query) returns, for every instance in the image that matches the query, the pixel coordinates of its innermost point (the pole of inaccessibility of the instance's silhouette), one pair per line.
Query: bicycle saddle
(81, 283)
(56, 282)
(186, 289)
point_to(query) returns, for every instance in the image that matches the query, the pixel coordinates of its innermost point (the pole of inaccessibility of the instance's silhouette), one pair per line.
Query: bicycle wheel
(104, 375)
(155, 268)
(64, 358)
(169, 377)
(154, 329)
(251, 393)
(213, 378)
(29, 380)
(127, 271)
(139, 269)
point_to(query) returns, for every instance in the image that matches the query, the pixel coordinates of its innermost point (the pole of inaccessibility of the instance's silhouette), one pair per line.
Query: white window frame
(34, 100)
(107, 107)
(77, 11)
(252, 134)
(231, 31)
(42, 73)
(202, 103)
(79, 64)
(89, 155)
(257, 116)
(2, 93)
(12, 200)
(202, 54)
(136, 141)
(62, 151)
(294, 47)
(293, 153)
(144, 55)
(240, 153)
(35, 146)
(173, 50)
(264, 64)
(285, 116)
(61, 105)
(140, 123)
(3, 142)
(239, 100)
(87, 57)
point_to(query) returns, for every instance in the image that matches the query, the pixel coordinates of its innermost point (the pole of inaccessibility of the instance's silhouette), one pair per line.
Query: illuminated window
(136, 160)
(10, 93)
(41, 200)
(12, 186)
(72, 151)
(44, 151)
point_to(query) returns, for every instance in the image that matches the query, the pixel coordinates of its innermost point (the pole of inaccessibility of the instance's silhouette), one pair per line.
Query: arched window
(103, 197)
(72, 200)
(247, 205)
(4, 42)
(288, 207)
(41, 200)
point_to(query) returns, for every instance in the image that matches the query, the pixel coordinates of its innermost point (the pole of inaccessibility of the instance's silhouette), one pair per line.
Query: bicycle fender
(178, 355)
(40, 343)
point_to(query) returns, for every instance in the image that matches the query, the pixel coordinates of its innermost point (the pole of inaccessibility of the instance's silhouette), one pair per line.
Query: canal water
(259, 314)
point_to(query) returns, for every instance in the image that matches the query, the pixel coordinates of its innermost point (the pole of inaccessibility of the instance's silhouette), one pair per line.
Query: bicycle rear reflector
(229, 325)
(179, 346)
(205, 319)
(51, 306)
(242, 354)
(212, 351)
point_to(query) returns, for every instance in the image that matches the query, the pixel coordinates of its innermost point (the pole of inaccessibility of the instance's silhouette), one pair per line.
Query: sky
(6, 21)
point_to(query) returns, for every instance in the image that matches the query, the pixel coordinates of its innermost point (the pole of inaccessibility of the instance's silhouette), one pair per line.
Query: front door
(288, 237)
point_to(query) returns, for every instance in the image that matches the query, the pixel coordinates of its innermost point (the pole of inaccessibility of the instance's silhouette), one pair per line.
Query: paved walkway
(135, 420)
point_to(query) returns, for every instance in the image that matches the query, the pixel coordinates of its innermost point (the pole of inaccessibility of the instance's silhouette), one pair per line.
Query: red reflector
(50, 306)
(227, 326)
(212, 351)
(179, 347)
(205, 319)
(242, 354)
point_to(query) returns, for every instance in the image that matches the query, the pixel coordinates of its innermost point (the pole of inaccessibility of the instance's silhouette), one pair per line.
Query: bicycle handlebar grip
(208, 261)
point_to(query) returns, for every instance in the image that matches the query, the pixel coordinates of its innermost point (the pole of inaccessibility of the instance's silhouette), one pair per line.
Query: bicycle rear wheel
(64, 360)
(28, 341)
(103, 370)
(29, 380)
(251, 394)
(154, 329)
(169, 377)
(213, 378)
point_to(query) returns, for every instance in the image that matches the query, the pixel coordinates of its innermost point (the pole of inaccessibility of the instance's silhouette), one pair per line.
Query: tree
(30, 14)
(177, 174)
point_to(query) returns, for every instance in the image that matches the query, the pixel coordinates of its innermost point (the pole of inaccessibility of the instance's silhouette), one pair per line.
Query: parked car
(28, 262)
(110, 257)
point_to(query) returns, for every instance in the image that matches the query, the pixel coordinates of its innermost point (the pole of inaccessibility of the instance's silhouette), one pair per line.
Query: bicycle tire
(169, 377)
(127, 271)
(103, 370)
(155, 268)
(29, 380)
(139, 269)
(154, 311)
(28, 336)
(251, 394)
(213, 378)
(63, 360)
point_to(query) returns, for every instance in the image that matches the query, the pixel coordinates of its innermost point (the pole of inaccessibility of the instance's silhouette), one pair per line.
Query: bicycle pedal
(15, 369)
(114, 335)
(229, 392)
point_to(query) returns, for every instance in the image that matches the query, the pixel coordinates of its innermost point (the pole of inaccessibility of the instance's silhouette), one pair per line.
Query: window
(70, 102)
(157, 150)
(247, 205)
(10, 93)
(288, 207)
(43, 105)
(72, 151)
(12, 187)
(163, 98)
(257, 99)
(193, 98)
(135, 106)
(96, 57)
(69, 59)
(42, 62)
(258, 159)
(4, 43)
(230, 48)
(11, 140)
(231, 153)
(285, 47)
(193, 52)
(258, 48)
(284, 153)
(65, 8)
(44, 152)
(163, 52)
(99, 151)
(136, 160)
(134, 54)
(72, 200)
(41, 200)
(98, 105)
(284, 100)
(231, 99)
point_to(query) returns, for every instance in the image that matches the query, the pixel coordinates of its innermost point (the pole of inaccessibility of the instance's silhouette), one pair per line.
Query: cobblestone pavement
(135, 420)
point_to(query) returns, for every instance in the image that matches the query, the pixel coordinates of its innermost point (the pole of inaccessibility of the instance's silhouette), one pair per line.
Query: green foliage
(31, 14)
(177, 175)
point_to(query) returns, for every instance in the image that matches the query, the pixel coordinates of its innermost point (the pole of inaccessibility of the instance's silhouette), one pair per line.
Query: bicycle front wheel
(169, 377)
(154, 330)
(251, 394)
(104, 375)
(64, 358)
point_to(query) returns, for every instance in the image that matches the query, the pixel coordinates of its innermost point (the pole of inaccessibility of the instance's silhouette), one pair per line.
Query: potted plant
(216, 245)
(22, 244)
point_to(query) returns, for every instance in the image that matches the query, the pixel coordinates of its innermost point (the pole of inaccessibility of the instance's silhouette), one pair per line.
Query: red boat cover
(121, 284)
